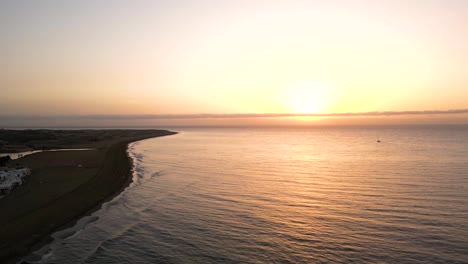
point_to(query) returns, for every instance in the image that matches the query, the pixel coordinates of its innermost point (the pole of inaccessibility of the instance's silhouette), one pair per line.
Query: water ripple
(287, 196)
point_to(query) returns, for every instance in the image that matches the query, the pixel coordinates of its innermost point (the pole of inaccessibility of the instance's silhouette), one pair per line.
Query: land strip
(64, 185)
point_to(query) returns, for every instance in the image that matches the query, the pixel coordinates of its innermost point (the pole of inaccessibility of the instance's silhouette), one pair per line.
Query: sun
(307, 97)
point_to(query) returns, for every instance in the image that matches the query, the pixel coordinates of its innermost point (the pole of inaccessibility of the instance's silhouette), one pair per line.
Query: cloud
(238, 115)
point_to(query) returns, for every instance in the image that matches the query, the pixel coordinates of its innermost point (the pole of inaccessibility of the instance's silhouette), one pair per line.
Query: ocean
(284, 195)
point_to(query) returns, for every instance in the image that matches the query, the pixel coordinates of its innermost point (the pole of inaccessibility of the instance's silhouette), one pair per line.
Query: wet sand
(63, 187)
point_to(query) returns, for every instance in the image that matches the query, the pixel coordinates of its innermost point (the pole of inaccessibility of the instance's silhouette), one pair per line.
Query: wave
(47, 251)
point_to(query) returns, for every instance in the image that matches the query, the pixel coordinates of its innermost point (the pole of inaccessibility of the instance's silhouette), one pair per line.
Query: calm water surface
(295, 195)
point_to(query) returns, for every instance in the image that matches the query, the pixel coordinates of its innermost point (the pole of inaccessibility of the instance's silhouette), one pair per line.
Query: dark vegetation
(44, 139)
(4, 160)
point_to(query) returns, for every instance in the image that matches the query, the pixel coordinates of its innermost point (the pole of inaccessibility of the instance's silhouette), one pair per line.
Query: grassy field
(58, 191)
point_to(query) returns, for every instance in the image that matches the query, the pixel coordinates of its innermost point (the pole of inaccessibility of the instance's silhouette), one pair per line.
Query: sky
(118, 62)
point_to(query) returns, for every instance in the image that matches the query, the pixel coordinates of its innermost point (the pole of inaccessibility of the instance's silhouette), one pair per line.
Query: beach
(64, 185)
(283, 195)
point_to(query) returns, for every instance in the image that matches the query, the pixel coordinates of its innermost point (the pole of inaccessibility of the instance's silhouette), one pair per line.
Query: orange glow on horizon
(191, 57)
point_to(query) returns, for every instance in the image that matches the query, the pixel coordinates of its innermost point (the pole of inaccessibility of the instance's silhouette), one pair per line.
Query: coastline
(114, 175)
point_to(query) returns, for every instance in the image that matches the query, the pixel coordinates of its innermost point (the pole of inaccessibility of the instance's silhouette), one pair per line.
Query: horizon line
(236, 115)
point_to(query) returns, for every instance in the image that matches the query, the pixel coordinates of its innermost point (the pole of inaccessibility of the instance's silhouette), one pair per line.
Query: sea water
(285, 195)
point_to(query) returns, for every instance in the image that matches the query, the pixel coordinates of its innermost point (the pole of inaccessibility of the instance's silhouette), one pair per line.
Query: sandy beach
(64, 186)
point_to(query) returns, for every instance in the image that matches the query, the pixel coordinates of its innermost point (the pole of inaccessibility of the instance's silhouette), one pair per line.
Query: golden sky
(191, 57)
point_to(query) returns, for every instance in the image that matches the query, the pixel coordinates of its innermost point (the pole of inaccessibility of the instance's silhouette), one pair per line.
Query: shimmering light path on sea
(290, 195)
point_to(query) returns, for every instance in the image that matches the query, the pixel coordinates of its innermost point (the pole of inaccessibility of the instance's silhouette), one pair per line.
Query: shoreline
(49, 239)
(115, 173)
